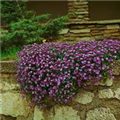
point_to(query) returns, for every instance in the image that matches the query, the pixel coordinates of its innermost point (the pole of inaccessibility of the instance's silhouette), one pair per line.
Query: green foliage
(28, 31)
(24, 31)
(52, 28)
(12, 11)
(10, 53)
(24, 28)
(3, 38)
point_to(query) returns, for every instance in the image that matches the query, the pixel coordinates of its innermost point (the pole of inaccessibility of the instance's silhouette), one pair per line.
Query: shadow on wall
(56, 8)
(3, 117)
(104, 10)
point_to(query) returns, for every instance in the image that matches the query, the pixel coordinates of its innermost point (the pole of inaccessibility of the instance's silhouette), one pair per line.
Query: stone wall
(100, 102)
(80, 27)
(79, 10)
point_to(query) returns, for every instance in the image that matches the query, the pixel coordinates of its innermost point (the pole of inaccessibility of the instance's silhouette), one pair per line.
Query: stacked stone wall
(99, 102)
(80, 27)
(91, 31)
(79, 11)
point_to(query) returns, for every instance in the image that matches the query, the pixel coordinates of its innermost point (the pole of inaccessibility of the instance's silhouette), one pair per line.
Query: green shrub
(11, 53)
(12, 11)
(3, 39)
(28, 31)
(27, 28)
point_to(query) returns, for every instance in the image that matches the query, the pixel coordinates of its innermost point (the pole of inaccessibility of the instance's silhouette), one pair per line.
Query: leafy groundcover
(56, 71)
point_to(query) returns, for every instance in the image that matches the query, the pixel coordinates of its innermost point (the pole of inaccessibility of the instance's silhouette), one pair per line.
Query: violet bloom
(57, 70)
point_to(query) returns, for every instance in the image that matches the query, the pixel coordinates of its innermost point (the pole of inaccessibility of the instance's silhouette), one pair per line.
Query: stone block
(80, 16)
(107, 35)
(80, 3)
(81, 13)
(81, 35)
(99, 37)
(8, 67)
(110, 31)
(107, 82)
(108, 21)
(21, 118)
(13, 105)
(98, 28)
(117, 93)
(8, 86)
(116, 34)
(86, 19)
(80, 31)
(77, 26)
(64, 31)
(91, 26)
(116, 68)
(63, 113)
(106, 93)
(38, 114)
(95, 34)
(113, 26)
(84, 97)
(71, 10)
(100, 114)
(84, 39)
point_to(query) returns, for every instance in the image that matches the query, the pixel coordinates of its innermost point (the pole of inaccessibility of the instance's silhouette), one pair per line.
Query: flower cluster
(56, 70)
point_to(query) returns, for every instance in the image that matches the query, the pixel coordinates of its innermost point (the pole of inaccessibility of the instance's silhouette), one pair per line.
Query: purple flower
(57, 70)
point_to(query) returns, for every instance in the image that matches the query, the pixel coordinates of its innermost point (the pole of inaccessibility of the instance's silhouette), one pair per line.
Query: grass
(10, 54)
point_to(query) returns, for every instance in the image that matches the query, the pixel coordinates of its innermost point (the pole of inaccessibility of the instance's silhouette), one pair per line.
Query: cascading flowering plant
(57, 70)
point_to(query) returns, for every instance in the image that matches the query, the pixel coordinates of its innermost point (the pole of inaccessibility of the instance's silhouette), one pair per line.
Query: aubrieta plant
(56, 71)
